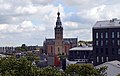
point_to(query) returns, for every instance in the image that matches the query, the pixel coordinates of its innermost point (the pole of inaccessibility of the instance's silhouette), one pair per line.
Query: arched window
(58, 50)
(51, 49)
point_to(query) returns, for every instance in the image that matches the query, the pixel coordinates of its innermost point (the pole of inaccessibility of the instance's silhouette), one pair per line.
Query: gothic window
(58, 50)
(51, 49)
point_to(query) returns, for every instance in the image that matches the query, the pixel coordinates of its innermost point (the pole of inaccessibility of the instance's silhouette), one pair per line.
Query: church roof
(65, 41)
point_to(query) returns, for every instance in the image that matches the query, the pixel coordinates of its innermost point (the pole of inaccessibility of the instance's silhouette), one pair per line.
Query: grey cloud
(43, 2)
(75, 17)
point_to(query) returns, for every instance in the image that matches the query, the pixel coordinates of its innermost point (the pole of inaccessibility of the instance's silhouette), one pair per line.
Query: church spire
(58, 28)
(58, 22)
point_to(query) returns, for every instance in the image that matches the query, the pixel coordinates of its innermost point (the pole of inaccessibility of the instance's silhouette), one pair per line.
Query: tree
(72, 70)
(84, 70)
(102, 71)
(51, 71)
(22, 48)
(31, 57)
(118, 75)
(10, 66)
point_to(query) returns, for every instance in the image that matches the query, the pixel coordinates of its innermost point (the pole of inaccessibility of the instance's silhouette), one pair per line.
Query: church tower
(58, 36)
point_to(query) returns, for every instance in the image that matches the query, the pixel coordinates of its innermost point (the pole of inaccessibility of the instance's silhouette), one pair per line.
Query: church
(58, 45)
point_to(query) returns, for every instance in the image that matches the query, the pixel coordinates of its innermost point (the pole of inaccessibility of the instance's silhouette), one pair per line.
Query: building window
(106, 42)
(118, 34)
(118, 42)
(97, 59)
(97, 51)
(113, 42)
(101, 50)
(113, 34)
(77, 53)
(113, 51)
(97, 42)
(106, 35)
(107, 59)
(58, 50)
(106, 50)
(101, 35)
(102, 59)
(101, 42)
(51, 50)
(97, 35)
(119, 51)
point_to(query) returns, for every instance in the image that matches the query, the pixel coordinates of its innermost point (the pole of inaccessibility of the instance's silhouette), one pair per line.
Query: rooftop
(114, 63)
(82, 48)
(107, 23)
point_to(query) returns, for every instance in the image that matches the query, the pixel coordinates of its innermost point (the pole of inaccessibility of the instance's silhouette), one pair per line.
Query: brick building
(59, 45)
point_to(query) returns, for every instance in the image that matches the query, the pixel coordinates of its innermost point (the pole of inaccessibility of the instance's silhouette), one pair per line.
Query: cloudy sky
(31, 21)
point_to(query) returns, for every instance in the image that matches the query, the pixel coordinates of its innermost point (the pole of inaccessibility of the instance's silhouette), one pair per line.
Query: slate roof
(107, 23)
(113, 67)
(81, 48)
(65, 41)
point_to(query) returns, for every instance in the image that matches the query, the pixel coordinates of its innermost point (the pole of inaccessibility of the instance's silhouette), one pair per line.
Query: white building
(113, 67)
(7, 49)
(81, 54)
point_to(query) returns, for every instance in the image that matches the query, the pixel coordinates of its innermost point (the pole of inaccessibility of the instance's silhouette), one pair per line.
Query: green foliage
(80, 43)
(31, 57)
(10, 66)
(73, 70)
(84, 70)
(62, 57)
(22, 48)
(118, 75)
(102, 71)
(51, 71)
